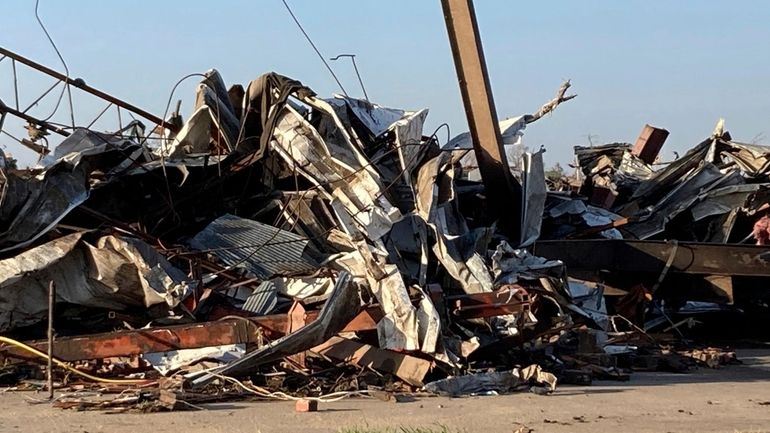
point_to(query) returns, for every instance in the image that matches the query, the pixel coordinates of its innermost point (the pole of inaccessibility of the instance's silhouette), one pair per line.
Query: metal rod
(72, 109)
(360, 81)
(99, 116)
(51, 302)
(355, 68)
(6, 109)
(15, 83)
(40, 97)
(80, 84)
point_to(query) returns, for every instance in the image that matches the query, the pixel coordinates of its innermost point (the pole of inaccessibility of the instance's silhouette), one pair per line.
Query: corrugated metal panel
(263, 300)
(261, 249)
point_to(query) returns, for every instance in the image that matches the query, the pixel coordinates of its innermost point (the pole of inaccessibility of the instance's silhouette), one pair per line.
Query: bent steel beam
(503, 191)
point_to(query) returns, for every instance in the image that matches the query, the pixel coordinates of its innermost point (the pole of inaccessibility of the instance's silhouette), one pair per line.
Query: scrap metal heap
(667, 241)
(276, 242)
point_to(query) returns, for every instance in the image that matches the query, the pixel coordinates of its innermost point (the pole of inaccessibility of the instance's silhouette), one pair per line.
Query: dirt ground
(732, 399)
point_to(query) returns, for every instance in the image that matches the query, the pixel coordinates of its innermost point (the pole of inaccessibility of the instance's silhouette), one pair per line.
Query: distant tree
(554, 173)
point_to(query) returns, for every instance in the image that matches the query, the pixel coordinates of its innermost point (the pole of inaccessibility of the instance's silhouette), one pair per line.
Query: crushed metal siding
(260, 249)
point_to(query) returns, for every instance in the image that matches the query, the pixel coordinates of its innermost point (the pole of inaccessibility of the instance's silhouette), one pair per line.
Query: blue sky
(679, 65)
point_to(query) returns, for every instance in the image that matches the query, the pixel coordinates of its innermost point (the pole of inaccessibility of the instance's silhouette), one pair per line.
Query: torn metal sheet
(263, 103)
(262, 300)
(376, 118)
(212, 128)
(589, 297)
(457, 248)
(299, 144)
(304, 287)
(753, 159)
(410, 369)
(511, 130)
(339, 310)
(358, 202)
(661, 182)
(428, 323)
(535, 193)
(173, 360)
(509, 264)
(679, 198)
(592, 216)
(398, 330)
(193, 138)
(263, 250)
(726, 199)
(512, 133)
(500, 381)
(31, 205)
(83, 142)
(114, 273)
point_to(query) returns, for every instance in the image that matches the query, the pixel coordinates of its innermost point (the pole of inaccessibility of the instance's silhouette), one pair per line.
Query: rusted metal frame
(297, 319)
(33, 146)
(190, 336)
(504, 193)
(650, 257)
(29, 119)
(243, 330)
(80, 84)
(510, 300)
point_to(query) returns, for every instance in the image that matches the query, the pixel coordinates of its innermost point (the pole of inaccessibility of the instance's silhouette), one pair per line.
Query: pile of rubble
(280, 245)
(668, 241)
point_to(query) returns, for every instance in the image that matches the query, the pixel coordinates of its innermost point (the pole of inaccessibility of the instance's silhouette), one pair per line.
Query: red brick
(306, 406)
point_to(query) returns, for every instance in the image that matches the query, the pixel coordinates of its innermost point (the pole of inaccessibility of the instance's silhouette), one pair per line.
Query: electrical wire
(261, 392)
(64, 365)
(352, 58)
(323, 59)
(66, 70)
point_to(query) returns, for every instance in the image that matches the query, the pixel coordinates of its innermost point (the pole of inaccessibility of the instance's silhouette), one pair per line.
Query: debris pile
(280, 245)
(669, 242)
(274, 242)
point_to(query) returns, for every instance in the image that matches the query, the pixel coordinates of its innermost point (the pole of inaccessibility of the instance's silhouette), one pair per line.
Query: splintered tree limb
(552, 104)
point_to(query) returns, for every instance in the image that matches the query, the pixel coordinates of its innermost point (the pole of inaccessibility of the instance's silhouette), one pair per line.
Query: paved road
(732, 399)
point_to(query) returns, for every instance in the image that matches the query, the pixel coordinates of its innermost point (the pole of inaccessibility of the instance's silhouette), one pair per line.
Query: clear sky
(674, 64)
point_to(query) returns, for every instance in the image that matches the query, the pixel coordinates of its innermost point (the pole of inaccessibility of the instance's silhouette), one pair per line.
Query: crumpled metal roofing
(260, 249)
(262, 300)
